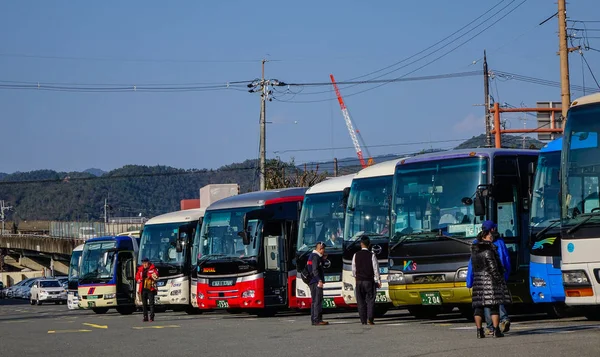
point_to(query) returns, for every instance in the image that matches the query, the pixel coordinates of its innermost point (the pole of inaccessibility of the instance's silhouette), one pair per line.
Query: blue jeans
(488, 316)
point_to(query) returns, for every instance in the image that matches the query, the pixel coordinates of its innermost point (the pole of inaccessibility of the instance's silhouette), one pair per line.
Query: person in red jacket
(146, 277)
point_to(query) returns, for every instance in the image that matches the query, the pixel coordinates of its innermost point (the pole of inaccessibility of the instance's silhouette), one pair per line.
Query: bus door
(275, 282)
(125, 278)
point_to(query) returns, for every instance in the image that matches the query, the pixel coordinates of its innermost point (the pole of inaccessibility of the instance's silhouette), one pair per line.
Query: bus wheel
(467, 312)
(592, 313)
(100, 310)
(266, 313)
(380, 311)
(557, 311)
(126, 310)
(421, 312)
(190, 310)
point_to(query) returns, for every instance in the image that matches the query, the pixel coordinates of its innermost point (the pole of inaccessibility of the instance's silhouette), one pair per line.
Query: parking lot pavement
(52, 330)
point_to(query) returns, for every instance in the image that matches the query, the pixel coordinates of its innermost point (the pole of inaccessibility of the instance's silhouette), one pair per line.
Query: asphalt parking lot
(52, 330)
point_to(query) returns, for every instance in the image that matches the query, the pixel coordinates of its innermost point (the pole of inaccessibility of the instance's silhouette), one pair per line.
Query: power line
(109, 59)
(426, 64)
(425, 50)
(590, 69)
(370, 146)
(117, 89)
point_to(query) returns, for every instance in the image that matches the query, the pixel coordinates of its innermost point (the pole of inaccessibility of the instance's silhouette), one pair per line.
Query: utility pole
(105, 211)
(3, 208)
(486, 91)
(563, 50)
(335, 167)
(263, 128)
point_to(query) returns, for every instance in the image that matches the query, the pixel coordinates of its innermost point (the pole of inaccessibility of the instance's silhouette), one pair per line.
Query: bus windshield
(545, 201)
(159, 243)
(219, 237)
(368, 208)
(322, 220)
(430, 196)
(97, 262)
(74, 265)
(581, 167)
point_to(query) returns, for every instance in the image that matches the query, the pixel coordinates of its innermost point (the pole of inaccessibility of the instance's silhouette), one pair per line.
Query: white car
(48, 290)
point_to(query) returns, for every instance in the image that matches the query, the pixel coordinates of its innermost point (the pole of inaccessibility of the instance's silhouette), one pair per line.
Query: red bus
(246, 252)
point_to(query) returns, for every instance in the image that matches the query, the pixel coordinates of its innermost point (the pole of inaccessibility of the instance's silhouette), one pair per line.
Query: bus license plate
(328, 303)
(222, 304)
(431, 298)
(380, 297)
(91, 297)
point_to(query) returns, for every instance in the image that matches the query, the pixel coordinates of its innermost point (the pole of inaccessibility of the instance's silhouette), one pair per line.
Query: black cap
(145, 259)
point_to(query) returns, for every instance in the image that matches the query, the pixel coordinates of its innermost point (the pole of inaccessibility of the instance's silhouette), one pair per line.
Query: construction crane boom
(354, 134)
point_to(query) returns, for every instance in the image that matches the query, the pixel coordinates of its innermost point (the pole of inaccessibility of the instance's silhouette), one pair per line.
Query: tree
(280, 174)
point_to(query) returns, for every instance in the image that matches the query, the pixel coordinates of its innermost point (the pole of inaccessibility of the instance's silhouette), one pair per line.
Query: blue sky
(305, 41)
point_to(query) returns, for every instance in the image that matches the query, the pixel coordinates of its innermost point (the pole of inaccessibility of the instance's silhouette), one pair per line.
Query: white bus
(322, 219)
(367, 212)
(74, 265)
(580, 206)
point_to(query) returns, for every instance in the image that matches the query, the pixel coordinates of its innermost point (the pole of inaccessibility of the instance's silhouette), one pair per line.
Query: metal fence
(86, 230)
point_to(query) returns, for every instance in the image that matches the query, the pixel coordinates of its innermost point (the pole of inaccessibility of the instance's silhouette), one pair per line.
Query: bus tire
(380, 311)
(557, 310)
(592, 313)
(423, 313)
(190, 310)
(126, 310)
(100, 310)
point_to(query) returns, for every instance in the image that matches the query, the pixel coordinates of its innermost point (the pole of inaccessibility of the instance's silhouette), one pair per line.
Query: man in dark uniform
(365, 268)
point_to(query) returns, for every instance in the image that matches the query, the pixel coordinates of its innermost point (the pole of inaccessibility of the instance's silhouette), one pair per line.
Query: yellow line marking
(96, 326)
(67, 331)
(157, 327)
(445, 324)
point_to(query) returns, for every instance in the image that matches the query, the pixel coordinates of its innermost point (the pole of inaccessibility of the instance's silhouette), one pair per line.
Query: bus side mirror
(105, 258)
(479, 204)
(245, 237)
(178, 246)
(345, 196)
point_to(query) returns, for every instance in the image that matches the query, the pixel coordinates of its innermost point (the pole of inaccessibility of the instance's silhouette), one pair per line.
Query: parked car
(64, 281)
(47, 290)
(13, 291)
(24, 292)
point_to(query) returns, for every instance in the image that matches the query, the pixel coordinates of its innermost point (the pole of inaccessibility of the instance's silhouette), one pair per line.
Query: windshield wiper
(87, 276)
(404, 237)
(211, 257)
(587, 217)
(553, 223)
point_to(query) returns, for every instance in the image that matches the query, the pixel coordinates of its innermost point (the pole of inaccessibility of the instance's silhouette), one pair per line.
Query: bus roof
(588, 99)
(332, 184)
(109, 238)
(453, 154)
(259, 198)
(554, 145)
(385, 168)
(187, 215)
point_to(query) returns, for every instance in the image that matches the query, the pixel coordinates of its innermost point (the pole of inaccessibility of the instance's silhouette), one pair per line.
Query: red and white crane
(354, 134)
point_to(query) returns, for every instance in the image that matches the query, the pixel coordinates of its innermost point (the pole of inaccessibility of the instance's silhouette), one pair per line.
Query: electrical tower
(354, 134)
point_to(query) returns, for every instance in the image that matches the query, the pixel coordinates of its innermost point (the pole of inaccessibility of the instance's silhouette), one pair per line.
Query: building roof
(187, 215)
(258, 198)
(333, 184)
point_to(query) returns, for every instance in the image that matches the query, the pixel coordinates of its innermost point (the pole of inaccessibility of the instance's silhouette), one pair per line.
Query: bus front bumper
(412, 294)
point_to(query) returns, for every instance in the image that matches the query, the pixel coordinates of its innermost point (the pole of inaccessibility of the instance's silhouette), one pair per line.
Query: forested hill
(131, 190)
(134, 189)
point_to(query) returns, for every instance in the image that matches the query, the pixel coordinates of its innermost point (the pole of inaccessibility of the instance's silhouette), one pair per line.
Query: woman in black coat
(489, 287)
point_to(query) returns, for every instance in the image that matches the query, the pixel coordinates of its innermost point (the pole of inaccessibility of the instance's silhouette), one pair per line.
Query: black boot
(480, 333)
(497, 332)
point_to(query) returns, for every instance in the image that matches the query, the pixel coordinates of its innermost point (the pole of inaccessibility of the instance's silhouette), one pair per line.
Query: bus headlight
(300, 293)
(538, 282)
(461, 274)
(248, 294)
(200, 296)
(176, 292)
(348, 287)
(396, 278)
(110, 296)
(575, 277)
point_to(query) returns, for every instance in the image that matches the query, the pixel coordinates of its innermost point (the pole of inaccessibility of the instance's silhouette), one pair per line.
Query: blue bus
(545, 276)
(107, 274)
